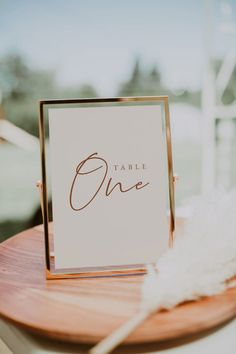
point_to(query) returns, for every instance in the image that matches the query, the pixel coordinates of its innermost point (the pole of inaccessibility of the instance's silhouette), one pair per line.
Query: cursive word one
(109, 186)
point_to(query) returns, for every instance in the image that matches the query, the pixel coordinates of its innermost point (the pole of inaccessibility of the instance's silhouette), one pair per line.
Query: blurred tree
(23, 86)
(87, 91)
(229, 94)
(142, 82)
(13, 76)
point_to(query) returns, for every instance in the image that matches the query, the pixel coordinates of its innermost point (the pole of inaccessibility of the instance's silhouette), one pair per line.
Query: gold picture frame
(51, 272)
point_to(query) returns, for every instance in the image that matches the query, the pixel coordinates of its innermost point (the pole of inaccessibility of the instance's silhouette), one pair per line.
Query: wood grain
(87, 310)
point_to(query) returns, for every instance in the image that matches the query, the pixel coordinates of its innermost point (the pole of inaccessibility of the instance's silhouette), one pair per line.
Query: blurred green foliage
(149, 82)
(22, 87)
(229, 94)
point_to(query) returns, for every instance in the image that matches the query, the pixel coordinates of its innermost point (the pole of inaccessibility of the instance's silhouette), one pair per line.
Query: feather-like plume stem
(117, 337)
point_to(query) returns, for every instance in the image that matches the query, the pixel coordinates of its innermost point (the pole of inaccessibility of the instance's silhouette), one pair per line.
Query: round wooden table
(87, 310)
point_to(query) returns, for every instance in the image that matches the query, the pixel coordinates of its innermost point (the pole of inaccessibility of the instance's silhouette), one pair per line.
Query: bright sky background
(97, 41)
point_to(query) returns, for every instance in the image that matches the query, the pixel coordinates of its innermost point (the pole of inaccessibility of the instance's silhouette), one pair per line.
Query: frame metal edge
(49, 274)
(44, 185)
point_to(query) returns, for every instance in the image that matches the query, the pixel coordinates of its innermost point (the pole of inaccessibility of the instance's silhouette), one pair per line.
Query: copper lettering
(102, 164)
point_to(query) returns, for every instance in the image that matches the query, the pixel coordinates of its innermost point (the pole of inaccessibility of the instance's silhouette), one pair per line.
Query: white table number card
(109, 182)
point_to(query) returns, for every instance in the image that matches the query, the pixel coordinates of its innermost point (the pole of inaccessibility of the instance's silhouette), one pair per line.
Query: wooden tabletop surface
(86, 310)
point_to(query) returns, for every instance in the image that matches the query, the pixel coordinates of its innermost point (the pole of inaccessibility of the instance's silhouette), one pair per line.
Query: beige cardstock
(109, 185)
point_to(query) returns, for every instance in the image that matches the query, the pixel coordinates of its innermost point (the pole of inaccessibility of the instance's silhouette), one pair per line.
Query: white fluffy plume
(201, 260)
(200, 264)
